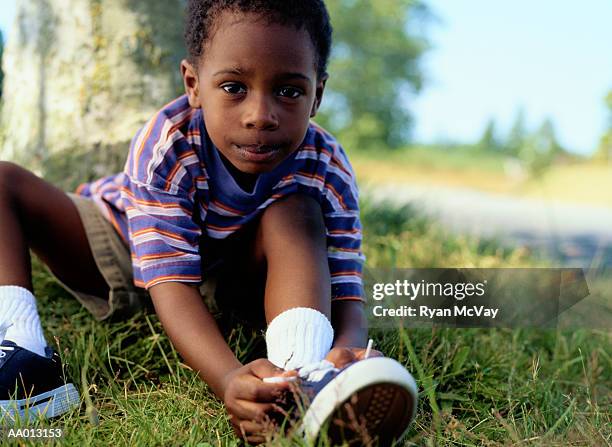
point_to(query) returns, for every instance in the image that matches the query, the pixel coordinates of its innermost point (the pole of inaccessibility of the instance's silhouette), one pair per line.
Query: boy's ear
(191, 83)
(319, 94)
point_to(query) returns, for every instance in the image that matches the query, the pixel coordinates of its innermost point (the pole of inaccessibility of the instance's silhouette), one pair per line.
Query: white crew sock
(298, 337)
(18, 312)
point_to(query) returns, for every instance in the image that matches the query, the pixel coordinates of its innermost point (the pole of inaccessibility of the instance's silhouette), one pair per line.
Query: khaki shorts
(113, 259)
(112, 256)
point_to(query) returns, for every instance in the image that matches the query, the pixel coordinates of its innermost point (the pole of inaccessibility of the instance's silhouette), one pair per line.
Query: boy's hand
(342, 356)
(250, 401)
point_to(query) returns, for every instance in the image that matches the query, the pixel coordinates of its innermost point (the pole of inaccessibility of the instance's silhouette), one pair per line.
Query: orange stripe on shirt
(336, 163)
(227, 208)
(158, 231)
(315, 176)
(153, 203)
(176, 126)
(171, 175)
(136, 160)
(333, 159)
(346, 273)
(317, 150)
(337, 195)
(223, 229)
(158, 256)
(353, 231)
(160, 279)
(348, 250)
(80, 189)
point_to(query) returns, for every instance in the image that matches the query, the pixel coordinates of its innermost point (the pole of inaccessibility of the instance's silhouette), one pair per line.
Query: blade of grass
(424, 379)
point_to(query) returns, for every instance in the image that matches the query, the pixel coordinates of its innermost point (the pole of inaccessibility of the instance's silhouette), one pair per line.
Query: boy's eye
(234, 89)
(289, 92)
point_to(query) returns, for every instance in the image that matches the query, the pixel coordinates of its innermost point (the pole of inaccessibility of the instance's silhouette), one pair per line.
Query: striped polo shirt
(175, 187)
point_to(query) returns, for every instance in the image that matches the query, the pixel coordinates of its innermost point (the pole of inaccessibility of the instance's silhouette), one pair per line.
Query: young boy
(230, 181)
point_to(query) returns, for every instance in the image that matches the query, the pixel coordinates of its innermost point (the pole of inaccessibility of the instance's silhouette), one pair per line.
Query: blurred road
(572, 235)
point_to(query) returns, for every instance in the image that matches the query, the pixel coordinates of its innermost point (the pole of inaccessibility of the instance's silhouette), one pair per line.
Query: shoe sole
(373, 401)
(48, 404)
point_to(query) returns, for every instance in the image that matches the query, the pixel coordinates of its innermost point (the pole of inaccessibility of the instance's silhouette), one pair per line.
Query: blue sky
(553, 58)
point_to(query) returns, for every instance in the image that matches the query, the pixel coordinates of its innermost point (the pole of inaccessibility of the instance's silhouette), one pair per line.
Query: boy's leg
(36, 215)
(277, 267)
(291, 238)
(374, 400)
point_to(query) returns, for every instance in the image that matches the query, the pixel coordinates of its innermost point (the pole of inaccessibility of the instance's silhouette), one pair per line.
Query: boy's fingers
(341, 356)
(267, 392)
(253, 411)
(264, 368)
(373, 353)
(256, 390)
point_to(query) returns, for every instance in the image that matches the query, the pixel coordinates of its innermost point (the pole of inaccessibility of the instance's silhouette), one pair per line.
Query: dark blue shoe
(32, 385)
(368, 402)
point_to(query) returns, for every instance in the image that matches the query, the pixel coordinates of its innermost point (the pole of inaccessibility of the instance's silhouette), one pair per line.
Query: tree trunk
(81, 76)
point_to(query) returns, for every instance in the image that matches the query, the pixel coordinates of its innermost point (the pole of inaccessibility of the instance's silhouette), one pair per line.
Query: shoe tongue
(3, 328)
(316, 371)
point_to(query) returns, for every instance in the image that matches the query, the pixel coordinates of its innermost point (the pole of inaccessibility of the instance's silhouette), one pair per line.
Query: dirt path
(573, 235)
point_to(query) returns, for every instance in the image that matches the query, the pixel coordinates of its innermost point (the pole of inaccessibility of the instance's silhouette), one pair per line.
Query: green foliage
(518, 134)
(374, 67)
(70, 168)
(537, 150)
(609, 104)
(489, 139)
(540, 149)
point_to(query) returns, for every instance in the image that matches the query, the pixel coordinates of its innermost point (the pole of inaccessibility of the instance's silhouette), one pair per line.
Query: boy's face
(257, 85)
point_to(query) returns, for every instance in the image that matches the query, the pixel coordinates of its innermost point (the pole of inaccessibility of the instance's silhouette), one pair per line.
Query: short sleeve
(158, 196)
(340, 206)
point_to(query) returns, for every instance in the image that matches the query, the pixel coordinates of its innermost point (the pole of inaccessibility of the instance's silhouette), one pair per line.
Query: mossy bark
(81, 76)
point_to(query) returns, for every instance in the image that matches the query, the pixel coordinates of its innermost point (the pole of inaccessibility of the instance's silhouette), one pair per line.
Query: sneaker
(32, 385)
(370, 401)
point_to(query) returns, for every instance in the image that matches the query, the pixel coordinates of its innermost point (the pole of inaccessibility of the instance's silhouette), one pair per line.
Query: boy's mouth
(257, 152)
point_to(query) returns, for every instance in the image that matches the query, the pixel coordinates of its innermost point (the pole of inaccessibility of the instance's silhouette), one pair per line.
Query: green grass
(477, 387)
(438, 157)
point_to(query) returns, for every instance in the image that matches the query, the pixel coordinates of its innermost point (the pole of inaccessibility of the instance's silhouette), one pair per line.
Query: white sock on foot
(298, 337)
(18, 312)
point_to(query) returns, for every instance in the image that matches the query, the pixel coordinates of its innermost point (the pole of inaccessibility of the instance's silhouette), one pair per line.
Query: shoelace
(314, 372)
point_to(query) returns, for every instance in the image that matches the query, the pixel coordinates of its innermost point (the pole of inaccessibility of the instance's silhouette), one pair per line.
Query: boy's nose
(260, 114)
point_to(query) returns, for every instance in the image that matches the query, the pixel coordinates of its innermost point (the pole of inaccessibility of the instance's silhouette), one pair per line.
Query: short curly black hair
(310, 15)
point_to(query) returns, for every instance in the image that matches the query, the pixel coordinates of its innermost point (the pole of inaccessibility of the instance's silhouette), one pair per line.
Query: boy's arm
(194, 333)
